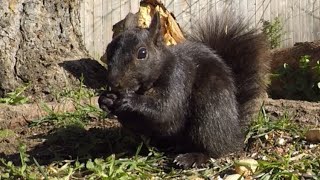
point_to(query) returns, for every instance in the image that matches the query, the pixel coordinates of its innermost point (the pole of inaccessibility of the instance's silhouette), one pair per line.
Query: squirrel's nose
(114, 85)
(113, 80)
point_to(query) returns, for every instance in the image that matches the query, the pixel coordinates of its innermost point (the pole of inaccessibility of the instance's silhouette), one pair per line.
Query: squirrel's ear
(155, 28)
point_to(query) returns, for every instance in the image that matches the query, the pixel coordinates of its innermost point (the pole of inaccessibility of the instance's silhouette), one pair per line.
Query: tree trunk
(40, 41)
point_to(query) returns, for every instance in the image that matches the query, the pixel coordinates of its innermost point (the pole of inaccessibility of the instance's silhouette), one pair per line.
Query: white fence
(300, 18)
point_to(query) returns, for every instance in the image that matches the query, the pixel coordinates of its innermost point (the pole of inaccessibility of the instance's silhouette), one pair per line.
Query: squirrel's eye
(142, 53)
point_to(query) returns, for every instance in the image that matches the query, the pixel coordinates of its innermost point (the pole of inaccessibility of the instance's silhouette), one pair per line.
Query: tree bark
(40, 41)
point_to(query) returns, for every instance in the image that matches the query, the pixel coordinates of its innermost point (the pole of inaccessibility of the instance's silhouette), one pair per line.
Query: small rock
(281, 141)
(311, 146)
(234, 177)
(279, 150)
(313, 135)
(246, 167)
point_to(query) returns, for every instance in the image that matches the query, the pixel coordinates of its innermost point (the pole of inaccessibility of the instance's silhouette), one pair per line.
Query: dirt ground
(101, 137)
(48, 143)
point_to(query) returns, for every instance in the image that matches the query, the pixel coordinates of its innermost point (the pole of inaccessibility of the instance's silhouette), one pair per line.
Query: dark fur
(245, 51)
(196, 94)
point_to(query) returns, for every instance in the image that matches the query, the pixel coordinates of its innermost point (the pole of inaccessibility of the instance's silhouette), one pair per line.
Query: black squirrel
(200, 94)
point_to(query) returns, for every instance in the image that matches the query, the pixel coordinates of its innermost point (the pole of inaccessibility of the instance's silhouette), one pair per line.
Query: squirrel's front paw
(125, 102)
(106, 101)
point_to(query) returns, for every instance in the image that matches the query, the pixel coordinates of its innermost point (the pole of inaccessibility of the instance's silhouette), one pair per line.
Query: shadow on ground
(101, 138)
(75, 142)
(93, 73)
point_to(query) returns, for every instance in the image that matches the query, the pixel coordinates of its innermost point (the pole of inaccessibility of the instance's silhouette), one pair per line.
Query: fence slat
(88, 25)
(316, 30)
(300, 18)
(97, 28)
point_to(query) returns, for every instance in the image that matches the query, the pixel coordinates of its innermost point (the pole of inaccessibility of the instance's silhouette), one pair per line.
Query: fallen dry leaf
(246, 167)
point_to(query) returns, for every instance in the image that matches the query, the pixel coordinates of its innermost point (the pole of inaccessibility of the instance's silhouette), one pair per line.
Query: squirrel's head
(134, 58)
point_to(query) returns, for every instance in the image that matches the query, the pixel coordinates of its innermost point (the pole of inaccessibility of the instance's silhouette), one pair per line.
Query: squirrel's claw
(189, 160)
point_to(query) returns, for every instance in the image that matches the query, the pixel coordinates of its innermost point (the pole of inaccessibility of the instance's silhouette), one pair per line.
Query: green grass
(84, 111)
(290, 160)
(151, 166)
(76, 94)
(297, 158)
(263, 126)
(82, 114)
(6, 133)
(144, 167)
(16, 97)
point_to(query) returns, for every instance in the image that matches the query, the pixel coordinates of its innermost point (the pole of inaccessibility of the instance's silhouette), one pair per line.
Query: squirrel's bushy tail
(245, 50)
